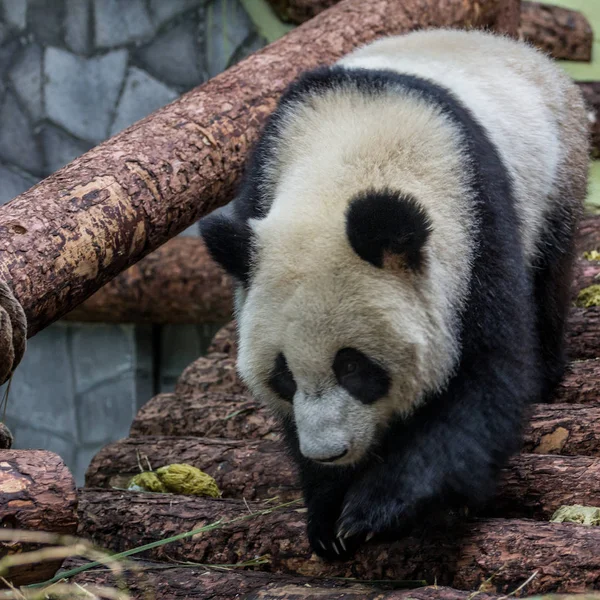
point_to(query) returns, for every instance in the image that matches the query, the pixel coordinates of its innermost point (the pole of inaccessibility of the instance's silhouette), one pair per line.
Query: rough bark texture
(251, 470)
(215, 373)
(37, 492)
(178, 283)
(511, 550)
(562, 33)
(591, 93)
(71, 234)
(588, 234)
(210, 414)
(164, 582)
(568, 429)
(581, 384)
(299, 11)
(585, 273)
(225, 340)
(583, 333)
(533, 485)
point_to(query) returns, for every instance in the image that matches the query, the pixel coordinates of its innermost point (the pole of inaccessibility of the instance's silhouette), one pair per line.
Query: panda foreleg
(447, 456)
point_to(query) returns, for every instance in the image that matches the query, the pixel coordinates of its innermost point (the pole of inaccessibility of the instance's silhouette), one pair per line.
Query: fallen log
(586, 273)
(588, 234)
(209, 414)
(225, 341)
(581, 383)
(583, 333)
(251, 470)
(178, 283)
(203, 583)
(215, 373)
(37, 493)
(68, 236)
(562, 33)
(591, 93)
(532, 486)
(567, 429)
(504, 550)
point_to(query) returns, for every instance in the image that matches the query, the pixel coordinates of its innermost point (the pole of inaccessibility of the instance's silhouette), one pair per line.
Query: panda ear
(229, 242)
(388, 229)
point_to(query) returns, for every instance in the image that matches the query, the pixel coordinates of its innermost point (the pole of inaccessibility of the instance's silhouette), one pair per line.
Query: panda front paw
(327, 545)
(367, 513)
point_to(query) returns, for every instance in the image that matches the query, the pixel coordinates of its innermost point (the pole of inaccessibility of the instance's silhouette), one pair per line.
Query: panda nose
(331, 459)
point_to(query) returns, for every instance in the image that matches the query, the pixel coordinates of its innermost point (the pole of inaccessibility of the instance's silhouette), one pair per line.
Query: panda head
(334, 329)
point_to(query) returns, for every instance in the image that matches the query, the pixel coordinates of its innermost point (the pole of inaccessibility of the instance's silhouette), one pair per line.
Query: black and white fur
(402, 244)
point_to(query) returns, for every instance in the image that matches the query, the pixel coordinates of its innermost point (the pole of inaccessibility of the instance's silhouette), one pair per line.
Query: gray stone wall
(72, 73)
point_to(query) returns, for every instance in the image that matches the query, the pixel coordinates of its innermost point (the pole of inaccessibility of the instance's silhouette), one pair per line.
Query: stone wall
(72, 73)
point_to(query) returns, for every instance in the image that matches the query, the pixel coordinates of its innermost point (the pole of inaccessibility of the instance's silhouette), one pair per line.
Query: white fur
(312, 295)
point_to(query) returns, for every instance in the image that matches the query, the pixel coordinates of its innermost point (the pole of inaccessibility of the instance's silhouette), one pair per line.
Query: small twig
(526, 582)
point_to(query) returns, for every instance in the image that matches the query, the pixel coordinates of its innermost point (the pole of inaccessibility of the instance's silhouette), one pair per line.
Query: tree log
(37, 493)
(562, 33)
(509, 550)
(533, 485)
(588, 234)
(581, 383)
(567, 429)
(591, 93)
(215, 373)
(72, 233)
(225, 340)
(251, 470)
(583, 333)
(166, 582)
(178, 283)
(209, 414)
(299, 11)
(585, 273)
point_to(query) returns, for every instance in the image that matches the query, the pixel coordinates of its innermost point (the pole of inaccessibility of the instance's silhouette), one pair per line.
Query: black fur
(229, 241)
(281, 380)
(360, 376)
(449, 452)
(386, 220)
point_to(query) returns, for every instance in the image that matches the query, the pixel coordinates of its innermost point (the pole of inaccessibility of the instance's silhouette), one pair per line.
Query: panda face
(340, 352)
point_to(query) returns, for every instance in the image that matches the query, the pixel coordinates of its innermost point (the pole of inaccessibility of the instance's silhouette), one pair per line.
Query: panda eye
(348, 367)
(281, 380)
(361, 376)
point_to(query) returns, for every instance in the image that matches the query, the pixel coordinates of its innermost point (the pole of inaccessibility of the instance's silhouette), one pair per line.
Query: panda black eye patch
(281, 380)
(360, 376)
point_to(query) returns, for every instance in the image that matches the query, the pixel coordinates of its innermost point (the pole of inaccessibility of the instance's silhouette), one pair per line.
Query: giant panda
(401, 245)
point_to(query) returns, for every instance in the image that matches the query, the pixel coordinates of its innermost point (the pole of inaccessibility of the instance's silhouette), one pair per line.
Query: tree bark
(588, 234)
(225, 340)
(585, 273)
(533, 485)
(583, 333)
(591, 93)
(510, 550)
(37, 493)
(215, 373)
(251, 470)
(178, 283)
(72, 233)
(209, 414)
(567, 429)
(562, 33)
(581, 383)
(166, 582)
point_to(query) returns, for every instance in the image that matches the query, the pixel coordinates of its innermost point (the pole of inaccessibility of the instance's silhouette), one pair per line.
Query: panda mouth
(333, 458)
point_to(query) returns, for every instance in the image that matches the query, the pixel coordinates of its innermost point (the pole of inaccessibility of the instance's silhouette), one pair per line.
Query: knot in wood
(13, 332)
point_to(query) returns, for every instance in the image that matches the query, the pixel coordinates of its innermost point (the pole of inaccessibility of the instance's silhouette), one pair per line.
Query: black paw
(367, 513)
(326, 544)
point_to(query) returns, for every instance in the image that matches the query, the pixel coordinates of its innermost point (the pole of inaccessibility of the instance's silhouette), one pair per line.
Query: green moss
(585, 515)
(185, 479)
(592, 255)
(589, 296)
(146, 482)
